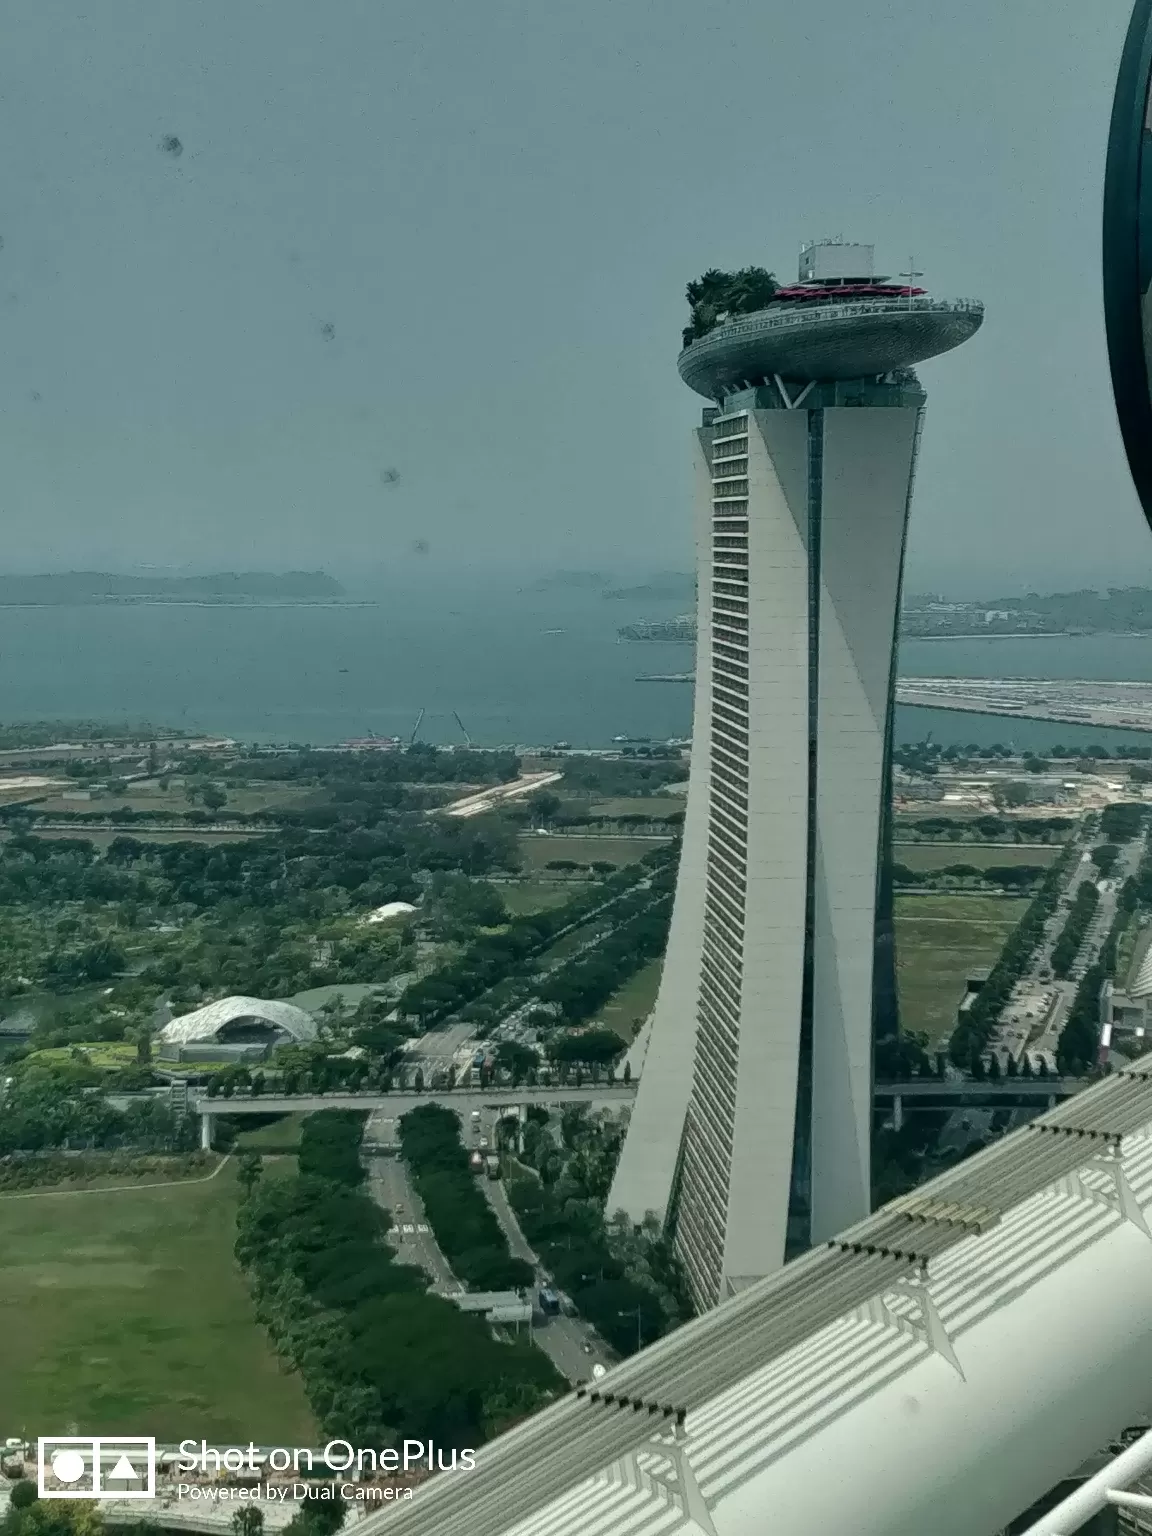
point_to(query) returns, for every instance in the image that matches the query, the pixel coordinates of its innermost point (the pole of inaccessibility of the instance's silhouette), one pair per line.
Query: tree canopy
(715, 295)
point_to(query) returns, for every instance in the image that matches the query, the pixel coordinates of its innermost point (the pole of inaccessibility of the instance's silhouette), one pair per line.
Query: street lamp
(639, 1333)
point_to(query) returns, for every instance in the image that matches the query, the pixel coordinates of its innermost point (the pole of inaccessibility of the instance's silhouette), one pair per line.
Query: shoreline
(204, 602)
(1045, 634)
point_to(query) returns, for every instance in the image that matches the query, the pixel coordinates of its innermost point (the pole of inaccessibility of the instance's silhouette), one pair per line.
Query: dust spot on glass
(389, 476)
(328, 331)
(420, 546)
(171, 145)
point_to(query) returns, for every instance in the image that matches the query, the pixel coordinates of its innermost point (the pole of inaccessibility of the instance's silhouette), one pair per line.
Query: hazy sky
(452, 238)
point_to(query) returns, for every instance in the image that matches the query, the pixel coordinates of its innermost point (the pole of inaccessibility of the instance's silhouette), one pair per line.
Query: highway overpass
(942, 1091)
(461, 1100)
(923, 1092)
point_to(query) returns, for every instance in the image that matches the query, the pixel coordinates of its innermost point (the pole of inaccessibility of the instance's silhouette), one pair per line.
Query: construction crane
(415, 729)
(460, 723)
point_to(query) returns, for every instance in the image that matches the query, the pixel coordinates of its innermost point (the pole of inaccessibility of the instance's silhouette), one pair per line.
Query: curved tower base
(757, 1084)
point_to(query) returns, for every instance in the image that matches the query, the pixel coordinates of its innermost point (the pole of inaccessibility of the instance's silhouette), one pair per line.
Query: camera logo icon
(96, 1467)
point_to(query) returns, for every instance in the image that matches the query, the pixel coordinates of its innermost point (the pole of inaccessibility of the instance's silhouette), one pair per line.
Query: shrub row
(586, 982)
(1083, 910)
(1010, 876)
(466, 1229)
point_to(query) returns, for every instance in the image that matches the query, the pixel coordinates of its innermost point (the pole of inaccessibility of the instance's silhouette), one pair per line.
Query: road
(1130, 855)
(438, 1047)
(411, 1235)
(572, 1345)
(497, 1197)
(1034, 1016)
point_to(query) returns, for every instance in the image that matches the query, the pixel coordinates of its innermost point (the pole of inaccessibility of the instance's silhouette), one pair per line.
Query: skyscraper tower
(751, 1129)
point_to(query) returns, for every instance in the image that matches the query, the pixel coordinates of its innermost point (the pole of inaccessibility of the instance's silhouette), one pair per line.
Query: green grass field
(537, 895)
(283, 1133)
(655, 806)
(535, 852)
(124, 1311)
(922, 856)
(633, 1002)
(939, 939)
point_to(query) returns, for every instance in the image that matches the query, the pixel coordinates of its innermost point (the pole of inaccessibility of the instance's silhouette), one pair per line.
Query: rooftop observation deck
(826, 340)
(758, 1373)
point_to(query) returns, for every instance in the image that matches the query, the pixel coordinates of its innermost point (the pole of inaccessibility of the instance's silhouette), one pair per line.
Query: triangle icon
(123, 1471)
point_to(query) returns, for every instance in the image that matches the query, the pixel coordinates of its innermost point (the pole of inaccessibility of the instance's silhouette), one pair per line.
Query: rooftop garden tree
(717, 295)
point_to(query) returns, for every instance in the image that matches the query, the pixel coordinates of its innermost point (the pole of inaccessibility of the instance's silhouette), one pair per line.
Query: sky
(449, 241)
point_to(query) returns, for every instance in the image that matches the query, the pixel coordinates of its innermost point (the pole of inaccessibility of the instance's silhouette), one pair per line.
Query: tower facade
(751, 1129)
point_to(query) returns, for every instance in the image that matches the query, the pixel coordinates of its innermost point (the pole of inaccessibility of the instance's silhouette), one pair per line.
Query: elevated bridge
(919, 1092)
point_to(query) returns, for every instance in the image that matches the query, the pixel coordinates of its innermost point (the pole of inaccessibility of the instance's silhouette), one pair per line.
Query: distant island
(84, 588)
(568, 579)
(681, 630)
(674, 584)
(1119, 610)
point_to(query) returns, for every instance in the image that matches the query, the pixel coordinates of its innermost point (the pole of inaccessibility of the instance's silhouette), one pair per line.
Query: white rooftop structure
(389, 910)
(836, 260)
(937, 1367)
(214, 1021)
(497, 1306)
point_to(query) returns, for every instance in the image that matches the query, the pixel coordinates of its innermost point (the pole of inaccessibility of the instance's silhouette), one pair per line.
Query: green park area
(650, 807)
(178, 795)
(281, 1134)
(931, 856)
(939, 939)
(537, 853)
(124, 1310)
(633, 1002)
(524, 896)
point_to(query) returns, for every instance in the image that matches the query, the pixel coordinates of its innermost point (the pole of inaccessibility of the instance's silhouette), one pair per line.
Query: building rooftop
(754, 1378)
(826, 339)
(206, 1024)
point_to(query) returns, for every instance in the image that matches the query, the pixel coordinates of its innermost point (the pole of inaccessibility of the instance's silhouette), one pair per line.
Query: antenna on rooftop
(911, 275)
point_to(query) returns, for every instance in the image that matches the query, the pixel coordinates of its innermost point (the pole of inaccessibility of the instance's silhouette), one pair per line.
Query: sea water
(519, 666)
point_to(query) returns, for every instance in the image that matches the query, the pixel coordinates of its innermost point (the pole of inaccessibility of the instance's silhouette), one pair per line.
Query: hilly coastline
(85, 588)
